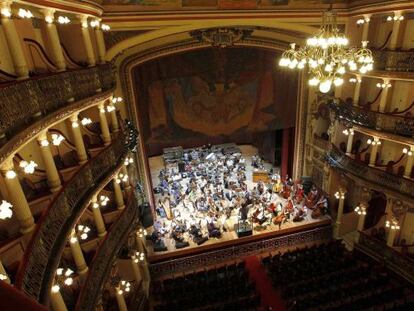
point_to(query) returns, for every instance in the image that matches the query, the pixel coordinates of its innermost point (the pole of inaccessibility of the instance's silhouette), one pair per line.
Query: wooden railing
(400, 264)
(106, 254)
(391, 60)
(239, 251)
(390, 123)
(22, 101)
(336, 158)
(43, 253)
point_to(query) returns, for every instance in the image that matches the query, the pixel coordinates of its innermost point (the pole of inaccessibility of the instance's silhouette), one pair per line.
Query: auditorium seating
(224, 288)
(328, 277)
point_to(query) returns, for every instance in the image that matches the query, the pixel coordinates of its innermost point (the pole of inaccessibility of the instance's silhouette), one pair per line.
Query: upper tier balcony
(383, 122)
(340, 160)
(394, 60)
(24, 102)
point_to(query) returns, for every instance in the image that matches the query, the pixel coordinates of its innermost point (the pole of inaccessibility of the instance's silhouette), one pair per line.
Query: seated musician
(213, 230)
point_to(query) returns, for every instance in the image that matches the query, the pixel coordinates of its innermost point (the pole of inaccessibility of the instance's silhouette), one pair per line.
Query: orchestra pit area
(218, 194)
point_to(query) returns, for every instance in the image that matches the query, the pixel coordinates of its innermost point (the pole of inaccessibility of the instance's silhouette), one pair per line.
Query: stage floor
(156, 164)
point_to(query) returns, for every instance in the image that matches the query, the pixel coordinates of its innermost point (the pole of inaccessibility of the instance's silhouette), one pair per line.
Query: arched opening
(376, 209)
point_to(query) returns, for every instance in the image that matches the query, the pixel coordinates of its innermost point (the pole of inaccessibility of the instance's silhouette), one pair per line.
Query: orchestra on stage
(206, 192)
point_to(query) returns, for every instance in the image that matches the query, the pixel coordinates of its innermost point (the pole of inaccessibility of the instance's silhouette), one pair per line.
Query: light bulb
(5, 210)
(325, 86)
(338, 81)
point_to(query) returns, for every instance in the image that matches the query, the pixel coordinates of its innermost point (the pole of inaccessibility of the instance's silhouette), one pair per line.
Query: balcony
(338, 159)
(396, 261)
(25, 101)
(383, 122)
(43, 253)
(391, 60)
(106, 254)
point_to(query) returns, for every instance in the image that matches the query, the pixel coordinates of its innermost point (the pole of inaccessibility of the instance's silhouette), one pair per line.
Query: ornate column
(16, 197)
(13, 41)
(361, 210)
(357, 90)
(393, 226)
(395, 30)
(106, 136)
(140, 240)
(383, 100)
(97, 217)
(374, 149)
(56, 299)
(53, 38)
(120, 299)
(350, 141)
(87, 40)
(100, 44)
(135, 259)
(77, 254)
(119, 197)
(52, 173)
(3, 274)
(114, 119)
(340, 195)
(409, 163)
(124, 173)
(78, 140)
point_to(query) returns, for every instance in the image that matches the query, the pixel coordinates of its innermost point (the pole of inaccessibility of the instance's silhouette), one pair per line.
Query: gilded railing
(338, 159)
(48, 241)
(402, 265)
(106, 254)
(22, 101)
(351, 115)
(239, 251)
(320, 142)
(394, 60)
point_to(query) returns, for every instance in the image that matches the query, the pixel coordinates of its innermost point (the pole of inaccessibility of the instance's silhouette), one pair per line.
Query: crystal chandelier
(327, 56)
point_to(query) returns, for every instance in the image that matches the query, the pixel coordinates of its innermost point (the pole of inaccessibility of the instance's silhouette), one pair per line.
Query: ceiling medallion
(221, 37)
(327, 56)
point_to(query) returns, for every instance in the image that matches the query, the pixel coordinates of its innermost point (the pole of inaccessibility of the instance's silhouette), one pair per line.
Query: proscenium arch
(196, 25)
(127, 66)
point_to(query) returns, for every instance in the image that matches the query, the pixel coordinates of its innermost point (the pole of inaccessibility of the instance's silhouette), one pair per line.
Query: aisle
(269, 296)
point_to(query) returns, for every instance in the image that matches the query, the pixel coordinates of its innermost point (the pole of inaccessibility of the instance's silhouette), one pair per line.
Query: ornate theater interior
(206, 155)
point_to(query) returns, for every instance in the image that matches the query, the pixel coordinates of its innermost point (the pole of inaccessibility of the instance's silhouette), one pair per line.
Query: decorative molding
(221, 37)
(114, 37)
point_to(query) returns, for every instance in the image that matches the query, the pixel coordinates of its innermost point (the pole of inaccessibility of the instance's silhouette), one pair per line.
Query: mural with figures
(214, 93)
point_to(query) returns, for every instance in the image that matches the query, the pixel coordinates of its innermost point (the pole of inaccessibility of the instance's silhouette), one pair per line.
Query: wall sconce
(340, 195)
(110, 108)
(122, 177)
(392, 224)
(75, 124)
(3, 277)
(142, 232)
(138, 257)
(407, 152)
(94, 23)
(10, 174)
(44, 143)
(116, 100)
(348, 132)
(5, 210)
(63, 20)
(64, 276)
(49, 19)
(362, 21)
(360, 210)
(124, 286)
(355, 80)
(374, 142)
(55, 288)
(395, 18)
(57, 139)
(103, 200)
(28, 167)
(383, 85)
(86, 121)
(128, 161)
(6, 12)
(105, 27)
(83, 231)
(24, 13)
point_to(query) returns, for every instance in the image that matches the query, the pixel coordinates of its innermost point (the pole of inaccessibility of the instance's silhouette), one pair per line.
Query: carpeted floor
(269, 296)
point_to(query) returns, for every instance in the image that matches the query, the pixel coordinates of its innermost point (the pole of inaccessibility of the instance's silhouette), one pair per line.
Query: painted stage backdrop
(213, 95)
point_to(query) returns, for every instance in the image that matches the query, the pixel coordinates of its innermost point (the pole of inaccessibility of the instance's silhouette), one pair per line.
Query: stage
(228, 235)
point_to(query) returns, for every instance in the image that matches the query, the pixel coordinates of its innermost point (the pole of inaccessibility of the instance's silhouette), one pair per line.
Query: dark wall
(214, 95)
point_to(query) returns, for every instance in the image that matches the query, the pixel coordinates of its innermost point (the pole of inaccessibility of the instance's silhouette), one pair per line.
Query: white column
(97, 217)
(365, 27)
(136, 269)
(87, 40)
(139, 238)
(52, 173)
(357, 90)
(409, 163)
(120, 299)
(391, 237)
(349, 143)
(100, 43)
(114, 119)
(13, 41)
(56, 299)
(119, 197)
(3, 274)
(361, 210)
(78, 139)
(374, 150)
(340, 195)
(395, 31)
(53, 38)
(384, 95)
(106, 136)
(16, 197)
(77, 254)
